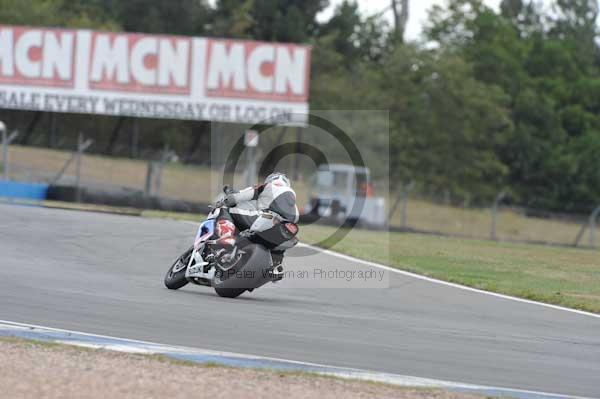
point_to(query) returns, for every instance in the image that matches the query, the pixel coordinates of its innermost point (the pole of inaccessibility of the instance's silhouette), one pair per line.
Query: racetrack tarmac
(103, 274)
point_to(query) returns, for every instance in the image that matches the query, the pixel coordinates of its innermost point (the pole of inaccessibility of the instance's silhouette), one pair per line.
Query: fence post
(149, 179)
(134, 139)
(82, 145)
(593, 218)
(403, 210)
(155, 170)
(497, 202)
(580, 234)
(6, 140)
(164, 158)
(4, 151)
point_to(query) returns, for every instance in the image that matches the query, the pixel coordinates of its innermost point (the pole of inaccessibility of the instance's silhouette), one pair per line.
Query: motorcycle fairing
(205, 232)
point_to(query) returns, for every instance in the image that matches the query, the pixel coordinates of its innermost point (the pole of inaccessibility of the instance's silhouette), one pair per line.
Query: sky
(418, 12)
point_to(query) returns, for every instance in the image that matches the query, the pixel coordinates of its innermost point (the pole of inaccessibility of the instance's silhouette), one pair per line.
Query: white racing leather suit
(253, 202)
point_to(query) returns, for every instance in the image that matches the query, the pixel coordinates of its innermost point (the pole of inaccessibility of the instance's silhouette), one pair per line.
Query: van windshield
(332, 182)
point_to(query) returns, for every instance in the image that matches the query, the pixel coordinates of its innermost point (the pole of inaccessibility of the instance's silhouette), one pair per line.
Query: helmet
(278, 179)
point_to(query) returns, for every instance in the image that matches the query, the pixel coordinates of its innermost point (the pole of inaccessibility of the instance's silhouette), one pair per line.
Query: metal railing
(6, 140)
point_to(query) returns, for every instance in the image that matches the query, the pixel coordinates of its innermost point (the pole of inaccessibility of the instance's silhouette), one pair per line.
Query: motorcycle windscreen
(205, 232)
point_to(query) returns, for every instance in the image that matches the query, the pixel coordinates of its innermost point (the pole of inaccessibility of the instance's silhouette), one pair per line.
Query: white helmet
(278, 179)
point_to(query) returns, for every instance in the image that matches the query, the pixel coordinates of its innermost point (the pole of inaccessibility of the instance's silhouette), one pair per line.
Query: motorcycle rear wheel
(177, 280)
(229, 292)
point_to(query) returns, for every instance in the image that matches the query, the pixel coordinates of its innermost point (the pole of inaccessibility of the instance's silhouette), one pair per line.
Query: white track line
(446, 283)
(77, 338)
(441, 282)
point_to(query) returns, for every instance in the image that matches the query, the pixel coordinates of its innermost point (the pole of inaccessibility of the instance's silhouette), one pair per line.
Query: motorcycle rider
(256, 209)
(275, 195)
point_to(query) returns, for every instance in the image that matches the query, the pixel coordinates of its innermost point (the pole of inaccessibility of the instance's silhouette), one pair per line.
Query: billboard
(153, 76)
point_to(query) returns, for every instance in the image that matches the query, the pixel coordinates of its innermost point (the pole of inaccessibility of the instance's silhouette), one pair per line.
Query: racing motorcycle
(244, 265)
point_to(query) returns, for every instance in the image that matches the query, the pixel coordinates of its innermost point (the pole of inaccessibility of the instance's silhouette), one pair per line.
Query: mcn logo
(43, 57)
(257, 70)
(133, 62)
(86, 63)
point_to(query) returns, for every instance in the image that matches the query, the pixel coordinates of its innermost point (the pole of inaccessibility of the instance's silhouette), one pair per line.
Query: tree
(232, 19)
(446, 126)
(62, 13)
(401, 9)
(453, 27)
(183, 17)
(355, 37)
(523, 15)
(270, 20)
(343, 27)
(575, 26)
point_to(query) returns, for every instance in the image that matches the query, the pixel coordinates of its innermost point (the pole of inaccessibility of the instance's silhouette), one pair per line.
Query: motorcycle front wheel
(175, 277)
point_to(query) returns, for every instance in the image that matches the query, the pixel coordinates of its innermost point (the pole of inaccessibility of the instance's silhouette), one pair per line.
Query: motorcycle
(234, 269)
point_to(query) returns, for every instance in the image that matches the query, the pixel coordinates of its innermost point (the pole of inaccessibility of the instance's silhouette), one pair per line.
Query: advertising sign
(153, 76)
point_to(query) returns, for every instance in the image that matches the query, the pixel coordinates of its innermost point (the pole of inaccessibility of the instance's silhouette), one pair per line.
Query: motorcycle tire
(177, 280)
(229, 292)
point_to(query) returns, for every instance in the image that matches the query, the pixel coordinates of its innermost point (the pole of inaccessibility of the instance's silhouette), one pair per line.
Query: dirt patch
(32, 370)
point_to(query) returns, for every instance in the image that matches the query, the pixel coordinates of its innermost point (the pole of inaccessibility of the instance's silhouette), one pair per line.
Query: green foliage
(270, 20)
(548, 65)
(69, 13)
(183, 17)
(449, 128)
(233, 18)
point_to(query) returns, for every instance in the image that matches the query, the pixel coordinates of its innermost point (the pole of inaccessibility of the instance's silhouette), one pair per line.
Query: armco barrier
(123, 197)
(29, 191)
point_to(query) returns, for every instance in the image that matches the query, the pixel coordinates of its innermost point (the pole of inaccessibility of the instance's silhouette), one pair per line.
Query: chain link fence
(497, 222)
(163, 176)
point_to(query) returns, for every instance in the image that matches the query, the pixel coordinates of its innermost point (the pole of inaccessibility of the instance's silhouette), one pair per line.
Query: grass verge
(563, 276)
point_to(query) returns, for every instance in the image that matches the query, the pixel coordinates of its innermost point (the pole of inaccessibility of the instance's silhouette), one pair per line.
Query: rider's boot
(278, 271)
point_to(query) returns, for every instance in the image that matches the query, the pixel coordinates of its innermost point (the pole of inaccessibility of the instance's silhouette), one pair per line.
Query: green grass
(563, 276)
